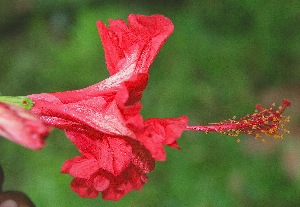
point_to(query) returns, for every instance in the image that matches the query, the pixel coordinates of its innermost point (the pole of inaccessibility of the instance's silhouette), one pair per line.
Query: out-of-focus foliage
(223, 58)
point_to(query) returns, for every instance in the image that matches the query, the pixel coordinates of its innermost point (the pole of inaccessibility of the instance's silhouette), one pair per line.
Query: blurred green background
(223, 57)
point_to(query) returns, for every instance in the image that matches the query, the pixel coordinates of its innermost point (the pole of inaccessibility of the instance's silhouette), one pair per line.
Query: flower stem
(22, 101)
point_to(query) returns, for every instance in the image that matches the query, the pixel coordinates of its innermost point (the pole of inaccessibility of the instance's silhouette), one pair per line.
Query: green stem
(22, 101)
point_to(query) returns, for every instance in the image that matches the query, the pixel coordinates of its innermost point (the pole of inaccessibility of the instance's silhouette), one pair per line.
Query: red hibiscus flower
(118, 147)
(22, 127)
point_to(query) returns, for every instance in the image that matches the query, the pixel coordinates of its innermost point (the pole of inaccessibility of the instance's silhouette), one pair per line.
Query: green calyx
(22, 101)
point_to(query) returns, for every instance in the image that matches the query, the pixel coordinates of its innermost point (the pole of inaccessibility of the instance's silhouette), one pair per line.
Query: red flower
(118, 147)
(22, 127)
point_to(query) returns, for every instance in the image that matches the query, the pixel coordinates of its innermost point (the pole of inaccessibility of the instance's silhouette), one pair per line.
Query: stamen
(269, 122)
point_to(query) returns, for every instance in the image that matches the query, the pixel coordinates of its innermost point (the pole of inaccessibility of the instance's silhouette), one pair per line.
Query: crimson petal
(147, 32)
(22, 126)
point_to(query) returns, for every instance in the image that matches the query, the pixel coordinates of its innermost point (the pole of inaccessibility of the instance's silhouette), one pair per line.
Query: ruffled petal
(130, 92)
(93, 114)
(146, 34)
(113, 154)
(131, 179)
(80, 167)
(79, 185)
(112, 165)
(160, 132)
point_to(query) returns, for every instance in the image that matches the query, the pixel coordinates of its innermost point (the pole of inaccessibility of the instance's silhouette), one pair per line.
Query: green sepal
(22, 101)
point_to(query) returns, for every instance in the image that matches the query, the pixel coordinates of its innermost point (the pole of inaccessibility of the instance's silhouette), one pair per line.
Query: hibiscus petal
(173, 128)
(108, 120)
(130, 92)
(85, 141)
(114, 155)
(80, 167)
(115, 166)
(101, 183)
(146, 32)
(131, 179)
(93, 113)
(153, 139)
(128, 100)
(22, 126)
(160, 132)
(142, 158)
(79, 185)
